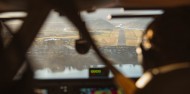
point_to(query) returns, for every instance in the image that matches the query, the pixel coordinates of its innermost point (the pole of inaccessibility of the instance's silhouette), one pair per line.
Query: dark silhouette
(166, 54)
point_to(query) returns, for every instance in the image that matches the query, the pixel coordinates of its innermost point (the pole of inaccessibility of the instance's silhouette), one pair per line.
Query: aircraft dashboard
(77, 86)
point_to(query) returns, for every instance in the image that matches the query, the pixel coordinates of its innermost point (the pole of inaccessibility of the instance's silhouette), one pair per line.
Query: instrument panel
(77, 86)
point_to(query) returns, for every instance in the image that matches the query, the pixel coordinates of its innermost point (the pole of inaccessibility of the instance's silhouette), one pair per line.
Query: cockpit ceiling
(143, 4)
(21, 5)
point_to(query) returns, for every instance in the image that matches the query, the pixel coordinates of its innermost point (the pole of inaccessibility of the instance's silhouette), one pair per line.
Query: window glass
(53, 53)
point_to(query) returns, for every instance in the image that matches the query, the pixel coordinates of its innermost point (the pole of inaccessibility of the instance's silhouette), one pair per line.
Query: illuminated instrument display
(100, 91)
(98, 73)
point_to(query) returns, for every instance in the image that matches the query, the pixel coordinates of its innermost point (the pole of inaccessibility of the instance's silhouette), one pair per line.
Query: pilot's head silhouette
(166, 40)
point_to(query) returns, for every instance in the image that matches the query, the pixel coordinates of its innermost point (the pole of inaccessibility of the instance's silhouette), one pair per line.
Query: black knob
(82, 46)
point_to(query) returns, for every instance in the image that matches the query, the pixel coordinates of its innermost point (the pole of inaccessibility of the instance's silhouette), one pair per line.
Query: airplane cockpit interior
(77, 46)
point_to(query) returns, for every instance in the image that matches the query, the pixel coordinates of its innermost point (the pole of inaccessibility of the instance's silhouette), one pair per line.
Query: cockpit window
(53, 54)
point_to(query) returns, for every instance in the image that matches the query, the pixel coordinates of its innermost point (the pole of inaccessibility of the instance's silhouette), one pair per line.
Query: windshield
(53, 54)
